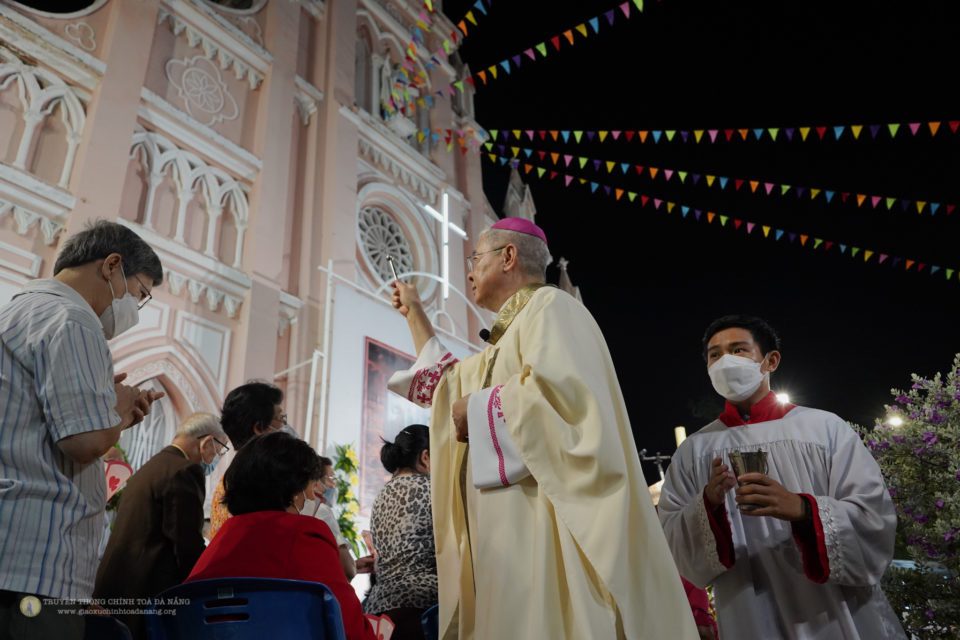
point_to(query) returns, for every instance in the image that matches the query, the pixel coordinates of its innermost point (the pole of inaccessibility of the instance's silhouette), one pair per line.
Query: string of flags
(735, 224)
(465, 139)
(713, 136)
(756, 186)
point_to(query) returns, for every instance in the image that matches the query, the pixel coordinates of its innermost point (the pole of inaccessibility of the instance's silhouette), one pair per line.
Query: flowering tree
(918, 449)
(345, 467)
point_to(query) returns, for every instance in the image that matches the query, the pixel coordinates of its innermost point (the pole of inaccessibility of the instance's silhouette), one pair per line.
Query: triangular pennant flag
(750, 226)
(766, 231)
(609, 15)
(710, 180)
(642, 135)
(710, 216)
(723, 182)
(479, 7)
(773, 133)
(593, 187)
(821, 131)
(527, 167)
(577, 135)
(803, 239)
(602, 135)
(784, 188)
(625, 7)
(933, 208)
(737, 222)
(949, 273)
(723, 220)
(758, 133)
(595, 24)
(667, 174)
(713, 134)
(743, 133)
(684, 211)
(814, 193)
(683, 176)
(493, 158)
(462, 25)
(644, 200)
(619, 193)
(804, 132)
(934, 269)
(817, 242)
(893, 129)
(566, 159)
(610, 166)
(625, 167)
(515, 150)
(697, 134)
(670, 133)
(568, 34)
(506, 65)
(778, 234)
(657, 202)
(582, 28)
(493, 71)
(855, 129)
(540, 172)
(639, 4)
(882, 258)
(861, 197)
(789, 131)
(567, 179)
(555, 41)
(470, 17)
(653, 172)
(753, 185)
(854, 251)
(909, 264)
(843, 248)
(914, 127)
(670, 206)
(583, 162)
(866, 255)
(920, 205)
(656, 136)
(629, 135)
(828, 195)
(555, 157)
(631, 195)
(768, 186)
(697, 213)
(542, 48)
(838, 131)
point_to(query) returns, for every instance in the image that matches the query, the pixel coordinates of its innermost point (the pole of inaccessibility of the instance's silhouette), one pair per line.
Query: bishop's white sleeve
(858, 517)
(418, 383)
(494, 457)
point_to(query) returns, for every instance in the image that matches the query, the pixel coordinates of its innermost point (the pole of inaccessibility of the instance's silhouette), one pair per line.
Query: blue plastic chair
(430, 621)
(246, 609)
(105, 628)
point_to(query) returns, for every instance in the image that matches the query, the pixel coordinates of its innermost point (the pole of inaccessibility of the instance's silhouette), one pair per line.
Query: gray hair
(532, 252)
(200, 425)
(101, 238)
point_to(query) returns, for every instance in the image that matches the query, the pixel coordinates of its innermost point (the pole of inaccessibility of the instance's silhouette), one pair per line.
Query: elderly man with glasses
(158, 533)
(543, 524)
(62, 408)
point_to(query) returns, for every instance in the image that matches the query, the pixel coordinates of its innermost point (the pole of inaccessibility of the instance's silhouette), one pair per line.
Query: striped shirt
(56, 380)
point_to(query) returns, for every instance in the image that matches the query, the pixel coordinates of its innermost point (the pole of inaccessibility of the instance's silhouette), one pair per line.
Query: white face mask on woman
(122, 314)
(736, 378)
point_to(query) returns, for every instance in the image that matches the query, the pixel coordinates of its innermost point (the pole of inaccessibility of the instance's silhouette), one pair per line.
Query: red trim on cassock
(769, 408)
(720, 525)
(813, 547)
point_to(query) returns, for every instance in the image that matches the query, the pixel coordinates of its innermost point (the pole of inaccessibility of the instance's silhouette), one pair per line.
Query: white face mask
(736, 378)
(122, 314)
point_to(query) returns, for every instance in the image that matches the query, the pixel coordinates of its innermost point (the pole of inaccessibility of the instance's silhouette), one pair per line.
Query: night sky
(653, 280)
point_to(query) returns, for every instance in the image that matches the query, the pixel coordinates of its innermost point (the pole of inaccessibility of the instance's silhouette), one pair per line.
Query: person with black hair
(267, 537)
(321, 498)
(64, 407)
(402, 527)
(798, 550)
(249, 410)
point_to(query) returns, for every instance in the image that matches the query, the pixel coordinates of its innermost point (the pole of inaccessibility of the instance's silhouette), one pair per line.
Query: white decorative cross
(446, 226)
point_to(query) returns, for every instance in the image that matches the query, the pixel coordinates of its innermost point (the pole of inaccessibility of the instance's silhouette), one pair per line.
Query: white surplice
(766, 594)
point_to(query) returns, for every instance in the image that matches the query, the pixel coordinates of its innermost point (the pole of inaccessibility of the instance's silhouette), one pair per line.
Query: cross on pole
(443, 216)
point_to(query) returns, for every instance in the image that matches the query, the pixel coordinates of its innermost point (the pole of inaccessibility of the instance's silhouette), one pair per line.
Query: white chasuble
(544, 527)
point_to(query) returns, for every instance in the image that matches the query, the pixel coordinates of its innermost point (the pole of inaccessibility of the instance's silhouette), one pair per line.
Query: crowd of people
(521, 510)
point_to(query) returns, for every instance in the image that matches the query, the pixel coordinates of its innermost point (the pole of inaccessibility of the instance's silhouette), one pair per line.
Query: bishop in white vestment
(543, 524)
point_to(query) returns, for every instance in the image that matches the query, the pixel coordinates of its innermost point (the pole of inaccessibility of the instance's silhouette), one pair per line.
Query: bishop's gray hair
(532, 252)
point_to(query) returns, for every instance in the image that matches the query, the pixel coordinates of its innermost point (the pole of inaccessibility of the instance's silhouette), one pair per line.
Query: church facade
(275, 154)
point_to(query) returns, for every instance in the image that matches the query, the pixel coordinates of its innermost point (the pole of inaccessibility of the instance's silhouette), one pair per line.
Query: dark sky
(850, 330)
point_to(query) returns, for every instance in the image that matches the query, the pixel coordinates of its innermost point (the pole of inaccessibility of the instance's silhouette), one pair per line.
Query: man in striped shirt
(61, 408)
